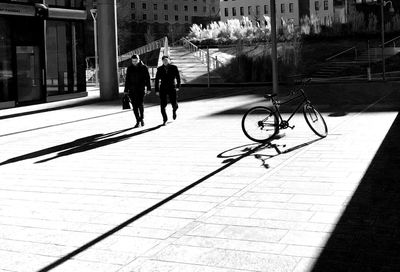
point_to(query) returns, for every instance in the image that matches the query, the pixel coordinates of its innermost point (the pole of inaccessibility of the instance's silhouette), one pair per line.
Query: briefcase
(126, 102)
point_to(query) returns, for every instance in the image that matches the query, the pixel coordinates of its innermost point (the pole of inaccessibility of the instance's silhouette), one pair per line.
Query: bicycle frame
(276, 105)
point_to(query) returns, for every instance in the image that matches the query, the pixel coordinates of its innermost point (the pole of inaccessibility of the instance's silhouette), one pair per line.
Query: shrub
(243, 30)
(244, 68)
(372, 23)
(396, 22)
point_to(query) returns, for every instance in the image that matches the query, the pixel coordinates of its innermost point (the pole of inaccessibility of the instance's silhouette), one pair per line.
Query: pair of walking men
(137, 84)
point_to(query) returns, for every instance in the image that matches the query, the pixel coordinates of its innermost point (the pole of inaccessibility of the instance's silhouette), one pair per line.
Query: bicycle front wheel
(260, 124)
(315, 120)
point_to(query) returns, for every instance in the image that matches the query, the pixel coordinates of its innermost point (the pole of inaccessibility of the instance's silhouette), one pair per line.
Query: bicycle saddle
(269, 96)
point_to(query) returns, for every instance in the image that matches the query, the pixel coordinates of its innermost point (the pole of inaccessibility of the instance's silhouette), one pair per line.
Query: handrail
(144, 49)
(201, 54)
(392, 40)
(342, 52)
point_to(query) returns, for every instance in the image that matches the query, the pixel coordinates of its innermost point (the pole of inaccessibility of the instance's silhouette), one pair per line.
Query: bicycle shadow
(254, 150)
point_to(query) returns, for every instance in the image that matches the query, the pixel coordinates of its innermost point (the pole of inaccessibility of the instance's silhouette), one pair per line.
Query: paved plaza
(81, 190)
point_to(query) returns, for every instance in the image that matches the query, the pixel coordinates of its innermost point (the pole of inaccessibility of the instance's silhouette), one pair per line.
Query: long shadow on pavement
(367, 236)
(245, 151)
(80, 145)
(100, 238)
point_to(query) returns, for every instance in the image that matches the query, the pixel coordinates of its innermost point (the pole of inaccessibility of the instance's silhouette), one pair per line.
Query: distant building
(256, 9)
(326, 11)
(170, 12)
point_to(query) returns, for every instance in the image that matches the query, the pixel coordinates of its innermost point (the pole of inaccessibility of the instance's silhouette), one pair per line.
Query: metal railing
(392, 41)
(163, 42)
(344, 52)
(201, 54)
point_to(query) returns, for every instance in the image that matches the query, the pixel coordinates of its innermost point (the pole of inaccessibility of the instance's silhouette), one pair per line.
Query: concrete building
(255, 9)
(41, 51)
(171, 12)
(326, 10)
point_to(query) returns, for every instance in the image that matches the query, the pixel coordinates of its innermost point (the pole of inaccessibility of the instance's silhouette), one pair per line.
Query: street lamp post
(274, 53)
(383, 4)
(93, 12)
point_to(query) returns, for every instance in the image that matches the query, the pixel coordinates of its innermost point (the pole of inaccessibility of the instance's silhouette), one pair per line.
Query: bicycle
(261, 123)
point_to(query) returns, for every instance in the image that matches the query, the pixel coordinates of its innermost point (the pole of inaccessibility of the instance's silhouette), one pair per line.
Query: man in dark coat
(167, 73)
(137, 79)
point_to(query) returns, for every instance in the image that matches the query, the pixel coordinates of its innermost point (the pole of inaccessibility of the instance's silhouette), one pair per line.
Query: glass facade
(6, 70)
(40, 58)
(58, 3)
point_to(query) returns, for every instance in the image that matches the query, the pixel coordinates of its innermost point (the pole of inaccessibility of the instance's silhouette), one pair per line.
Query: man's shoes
(174, 114)
(165, 122)
(137, 125)
(142, 123)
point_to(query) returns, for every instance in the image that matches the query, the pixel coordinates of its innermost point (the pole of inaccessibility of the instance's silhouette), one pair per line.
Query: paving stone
(248, 215)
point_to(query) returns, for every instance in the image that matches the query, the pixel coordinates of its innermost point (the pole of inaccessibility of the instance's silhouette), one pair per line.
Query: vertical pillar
(107, 47)
(274, 55)
(208, 67)
(383, 39)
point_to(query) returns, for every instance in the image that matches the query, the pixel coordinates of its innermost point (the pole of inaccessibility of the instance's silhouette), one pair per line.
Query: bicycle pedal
(292, 127)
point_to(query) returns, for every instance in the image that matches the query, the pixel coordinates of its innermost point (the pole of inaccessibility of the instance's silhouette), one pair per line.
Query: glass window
(265, 9)
(166, 17)
(316, 5)
(155, 6)
(165, 7)
(249, 10)
(186, 18)
(176, 7)
(282, 8)
(176, 18)
(155, 17)
(233, 11)
(226, 12)
(144, 16)
(195, 8)
(60, 3)
(326, 5)
(241, 11)
(258, 10)
(291, 7)
(6, 72)
(65, 57)
(132, 5)
(144, 6)
(186, 8)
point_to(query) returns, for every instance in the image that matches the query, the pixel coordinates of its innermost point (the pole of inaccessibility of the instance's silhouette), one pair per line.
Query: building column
(107, 46)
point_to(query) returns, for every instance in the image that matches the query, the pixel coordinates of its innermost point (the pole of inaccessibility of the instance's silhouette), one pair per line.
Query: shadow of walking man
(80, 145)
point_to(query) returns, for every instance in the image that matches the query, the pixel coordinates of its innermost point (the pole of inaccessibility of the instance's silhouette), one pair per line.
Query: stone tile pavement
(82, 180)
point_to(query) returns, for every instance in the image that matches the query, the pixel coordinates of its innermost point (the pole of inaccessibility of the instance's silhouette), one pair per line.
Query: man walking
(137, 80)
(167, 73)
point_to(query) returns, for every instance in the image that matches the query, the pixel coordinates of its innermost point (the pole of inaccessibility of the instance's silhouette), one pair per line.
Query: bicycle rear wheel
(315, 120)
(260, 124)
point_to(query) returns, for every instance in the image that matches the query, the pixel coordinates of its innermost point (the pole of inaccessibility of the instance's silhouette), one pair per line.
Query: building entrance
(29, 74)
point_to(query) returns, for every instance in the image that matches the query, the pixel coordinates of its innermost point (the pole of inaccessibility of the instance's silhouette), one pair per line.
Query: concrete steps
(192, 70)
(374, 55)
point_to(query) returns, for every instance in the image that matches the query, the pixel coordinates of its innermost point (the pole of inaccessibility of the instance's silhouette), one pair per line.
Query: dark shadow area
(80, 145)
(100, 238)
(367, 236)
(336, 106)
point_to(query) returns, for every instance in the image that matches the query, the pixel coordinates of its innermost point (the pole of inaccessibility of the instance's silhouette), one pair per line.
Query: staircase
(334, 65)
(192, 69)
